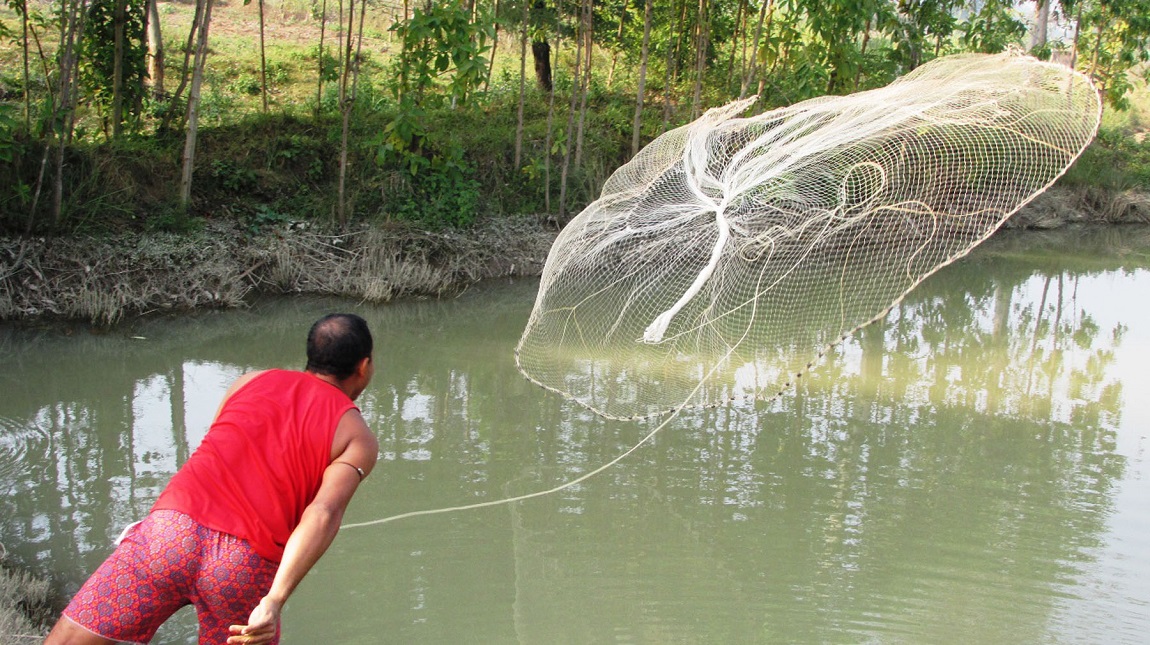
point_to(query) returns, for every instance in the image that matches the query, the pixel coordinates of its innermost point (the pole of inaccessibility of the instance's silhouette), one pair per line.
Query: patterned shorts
(165, 563)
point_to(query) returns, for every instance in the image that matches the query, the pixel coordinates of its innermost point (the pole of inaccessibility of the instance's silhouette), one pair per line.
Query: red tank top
(262, 461)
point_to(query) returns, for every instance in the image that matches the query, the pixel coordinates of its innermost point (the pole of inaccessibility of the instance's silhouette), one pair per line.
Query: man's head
(338, 345)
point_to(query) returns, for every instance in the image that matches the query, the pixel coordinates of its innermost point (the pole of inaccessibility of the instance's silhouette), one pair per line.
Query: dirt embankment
(103, 280)
(1058, 207)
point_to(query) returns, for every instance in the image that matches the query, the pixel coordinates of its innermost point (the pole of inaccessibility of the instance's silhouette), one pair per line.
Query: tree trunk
(119, 16)
(672, 74)
(345, 109)
(585, 83)
(1098, 31)
(201, 55)
(319, 56)
(263, 61)
(770, 20)
(72, 20)
(642, 77)
(618, 45)
(1074, 46)
(27, 66)
(754, 67)
(495, 43)
(189, 50)
(1041, 23)
(701, 44)
(547, 144)
(351, 66)
(541, 52)
(740, 20)
(575, 76)
(522, 89)
(862, 52)
(155, 49)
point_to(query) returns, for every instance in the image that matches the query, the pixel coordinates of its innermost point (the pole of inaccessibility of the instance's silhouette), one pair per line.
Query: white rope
(658, 327)
(518, 498)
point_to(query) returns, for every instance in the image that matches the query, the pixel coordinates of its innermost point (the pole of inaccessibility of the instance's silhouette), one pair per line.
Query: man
(256, 505)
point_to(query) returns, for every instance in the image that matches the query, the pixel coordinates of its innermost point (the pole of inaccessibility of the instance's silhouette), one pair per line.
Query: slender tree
(550, 122)
(189, 52)
(702, 43)
(618, 43)
(119, 18)
(348, 86)
(672, 66)
(73, 15)
(585, 82)
(201, 56)
(24, 58)
(263, 60)
(740, 20)
(345, 107)
(643, 56)
(754, 66)
(1041, 24)
(495, 41)
(567, 151)
(522, 86)
(319, 58)
(155, 49)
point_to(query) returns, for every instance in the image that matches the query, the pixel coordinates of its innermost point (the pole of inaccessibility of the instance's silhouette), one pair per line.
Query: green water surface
(970, 470)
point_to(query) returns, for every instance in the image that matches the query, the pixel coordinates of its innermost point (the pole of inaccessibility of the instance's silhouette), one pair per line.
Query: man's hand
(262, 625)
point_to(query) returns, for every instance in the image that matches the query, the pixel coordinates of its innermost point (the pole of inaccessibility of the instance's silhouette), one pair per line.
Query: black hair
(336, 344)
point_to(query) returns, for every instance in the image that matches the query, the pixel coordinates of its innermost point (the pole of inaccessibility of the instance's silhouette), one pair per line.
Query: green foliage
(9, 126)
(919, 29)
(265, 217)
(1114, 44)
(1114, 161)
(993, 28)
(440, 40)
(13, 150)
(172, 219)
(443, 194)
(301, 153)
(433, 126)
(231, 176)
(98, 53)
(437, 186)
(329, 67)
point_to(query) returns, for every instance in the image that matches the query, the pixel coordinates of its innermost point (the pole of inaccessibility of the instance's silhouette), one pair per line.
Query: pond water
(973, 469)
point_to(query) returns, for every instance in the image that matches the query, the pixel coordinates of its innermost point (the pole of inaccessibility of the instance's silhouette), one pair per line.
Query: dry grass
(378, 264)
(104, 280)
(1060, 206)
(24, 606)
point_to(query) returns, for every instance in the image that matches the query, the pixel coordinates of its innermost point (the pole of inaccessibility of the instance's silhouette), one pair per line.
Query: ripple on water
(22, 447)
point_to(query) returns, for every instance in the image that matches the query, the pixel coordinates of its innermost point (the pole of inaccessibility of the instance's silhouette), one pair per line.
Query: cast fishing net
(731, 253)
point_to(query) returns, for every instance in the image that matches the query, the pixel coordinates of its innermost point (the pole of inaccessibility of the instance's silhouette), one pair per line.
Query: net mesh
(725, 258)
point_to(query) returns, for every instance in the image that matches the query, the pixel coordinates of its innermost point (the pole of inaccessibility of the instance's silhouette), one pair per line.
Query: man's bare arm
(317, 528)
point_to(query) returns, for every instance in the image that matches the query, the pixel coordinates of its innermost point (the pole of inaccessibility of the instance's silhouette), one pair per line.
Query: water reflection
(949, 471)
